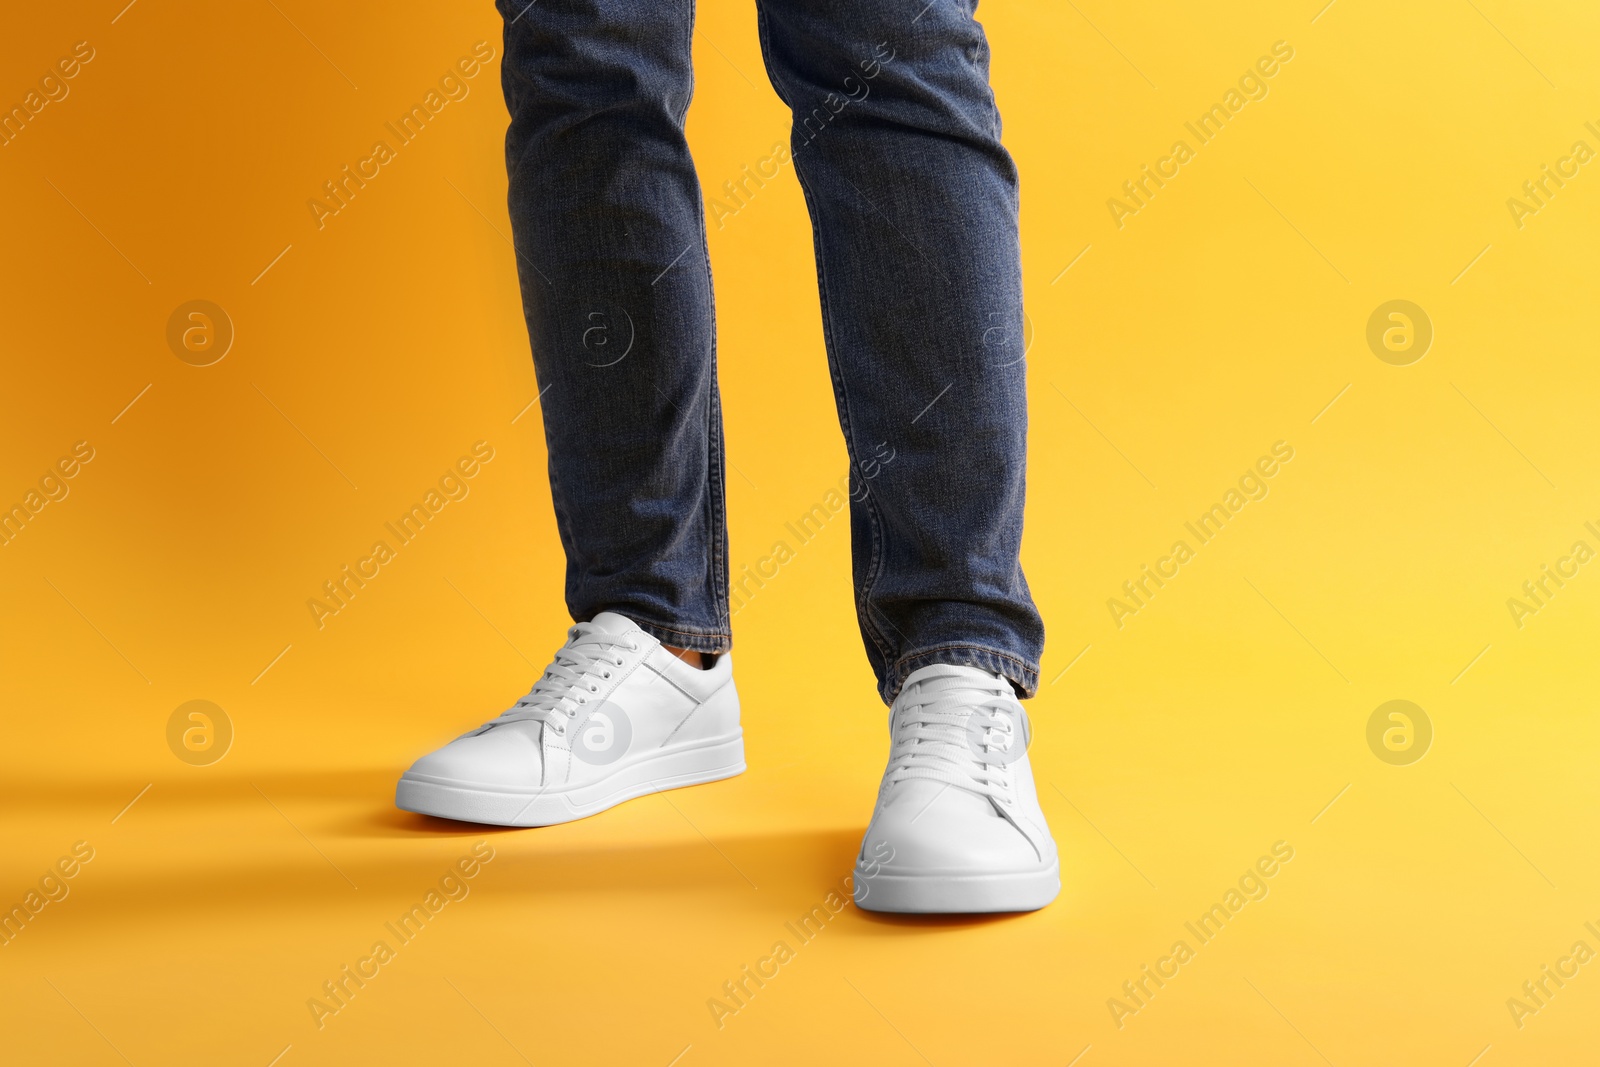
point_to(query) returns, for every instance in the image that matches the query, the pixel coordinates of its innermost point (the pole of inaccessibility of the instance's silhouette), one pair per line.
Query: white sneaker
(957, 827)
(615, 716)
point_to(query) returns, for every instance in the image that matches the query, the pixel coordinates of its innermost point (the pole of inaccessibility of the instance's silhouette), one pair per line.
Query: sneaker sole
(496, 805)
(955, 894)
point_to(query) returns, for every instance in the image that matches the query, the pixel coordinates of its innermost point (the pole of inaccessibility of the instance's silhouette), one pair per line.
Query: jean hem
(1022, 674)
(710, 641)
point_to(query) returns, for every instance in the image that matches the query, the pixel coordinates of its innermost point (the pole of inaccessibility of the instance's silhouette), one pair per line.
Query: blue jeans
(913, 201)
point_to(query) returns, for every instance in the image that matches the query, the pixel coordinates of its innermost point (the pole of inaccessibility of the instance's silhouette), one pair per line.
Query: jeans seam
(847, 425)
(716, 507)
(716, 512)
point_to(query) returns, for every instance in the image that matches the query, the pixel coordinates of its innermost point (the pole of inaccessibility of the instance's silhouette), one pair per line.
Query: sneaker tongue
(612, 623)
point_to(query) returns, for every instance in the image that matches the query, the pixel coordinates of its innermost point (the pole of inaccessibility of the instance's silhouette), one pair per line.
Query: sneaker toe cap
(946, 830)
(498, 757)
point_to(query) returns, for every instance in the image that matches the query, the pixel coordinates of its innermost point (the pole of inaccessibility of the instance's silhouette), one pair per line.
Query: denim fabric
(913, 200)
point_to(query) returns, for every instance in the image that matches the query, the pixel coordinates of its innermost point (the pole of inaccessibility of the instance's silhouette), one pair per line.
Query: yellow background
(1223, 717)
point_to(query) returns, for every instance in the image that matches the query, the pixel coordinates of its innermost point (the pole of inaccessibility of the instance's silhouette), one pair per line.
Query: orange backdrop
(1403, 490)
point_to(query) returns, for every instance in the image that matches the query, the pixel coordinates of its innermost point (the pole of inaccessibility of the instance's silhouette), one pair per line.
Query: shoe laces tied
(590, 657)
(933, 738)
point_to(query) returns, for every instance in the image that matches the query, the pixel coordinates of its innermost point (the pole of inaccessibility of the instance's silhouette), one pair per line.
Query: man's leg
(610, 246)
(913, 200)
(896, 142)
(616, 285)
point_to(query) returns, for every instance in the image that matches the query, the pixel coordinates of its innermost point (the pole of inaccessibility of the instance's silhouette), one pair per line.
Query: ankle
(698, 660)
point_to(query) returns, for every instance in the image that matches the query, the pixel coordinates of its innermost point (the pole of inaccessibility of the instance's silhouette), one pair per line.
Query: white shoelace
(589, 657)
(932, 740)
